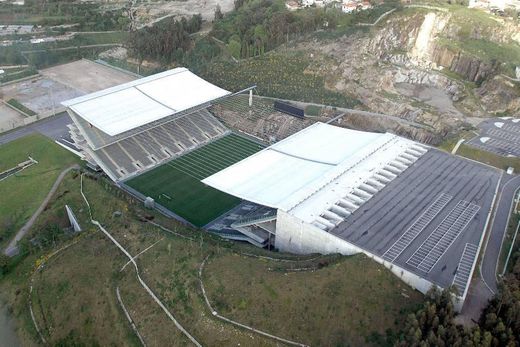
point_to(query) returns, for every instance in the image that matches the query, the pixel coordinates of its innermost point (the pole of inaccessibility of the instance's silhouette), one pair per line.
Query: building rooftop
(130, 105)
(311, 170)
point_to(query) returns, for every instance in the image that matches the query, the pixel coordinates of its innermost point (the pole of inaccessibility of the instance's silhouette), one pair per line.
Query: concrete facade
(295, 236)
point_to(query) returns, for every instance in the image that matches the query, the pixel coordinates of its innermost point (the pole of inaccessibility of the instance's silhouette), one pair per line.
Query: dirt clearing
(86, 76)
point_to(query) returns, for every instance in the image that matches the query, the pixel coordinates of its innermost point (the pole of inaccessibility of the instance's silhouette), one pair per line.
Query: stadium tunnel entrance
(249, 222)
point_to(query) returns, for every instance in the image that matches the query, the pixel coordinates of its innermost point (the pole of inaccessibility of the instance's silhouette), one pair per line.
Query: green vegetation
(434, 324)
(281, 75)
(165, 41)
(488, 51)
(489, 158)
(74, 301)
(132, 67)
(16, 104)
(348, 300)
(449, 143)
(508, 242)
(16, 74)
(84, 39)
(46, 54)
(470, 21)
(258, 26)
(351, 302)
(47, 58)
(478, 154)
(88, 15)
(254, 28)
(176, 185)
(22, 193)
(313, 111)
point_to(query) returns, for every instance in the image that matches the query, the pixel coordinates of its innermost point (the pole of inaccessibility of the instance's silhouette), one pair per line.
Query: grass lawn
(176, 185)
(22, 193)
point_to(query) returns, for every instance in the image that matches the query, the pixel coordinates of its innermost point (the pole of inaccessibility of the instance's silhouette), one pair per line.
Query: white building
(501, 5)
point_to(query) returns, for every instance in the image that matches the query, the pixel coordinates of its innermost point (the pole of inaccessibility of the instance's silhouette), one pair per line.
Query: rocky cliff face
(469, 68)
(399, 70)
(416, 40)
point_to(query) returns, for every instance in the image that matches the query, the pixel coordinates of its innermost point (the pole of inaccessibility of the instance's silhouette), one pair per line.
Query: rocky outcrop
(427, 78)
(468, 67)
(423, 48)
(397, 69)
(376, 124)
(500, 96)
(415, 40)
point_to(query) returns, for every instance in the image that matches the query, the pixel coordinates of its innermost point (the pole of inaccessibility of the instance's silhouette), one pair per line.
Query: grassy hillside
(298, 305)
(74, 295)
(22, 193)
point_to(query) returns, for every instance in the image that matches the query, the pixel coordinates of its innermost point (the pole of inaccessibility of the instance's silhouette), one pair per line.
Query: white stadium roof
(136, 103)
(311, 170)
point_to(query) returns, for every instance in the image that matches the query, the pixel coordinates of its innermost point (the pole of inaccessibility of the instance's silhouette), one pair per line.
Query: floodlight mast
(239, 92)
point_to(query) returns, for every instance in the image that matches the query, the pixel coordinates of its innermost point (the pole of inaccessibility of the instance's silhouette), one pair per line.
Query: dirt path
(12, 249)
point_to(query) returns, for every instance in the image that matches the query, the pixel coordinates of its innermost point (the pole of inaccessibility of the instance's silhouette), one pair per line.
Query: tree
(234, 48)
(4, 263)
(218, 13)
(238, 4)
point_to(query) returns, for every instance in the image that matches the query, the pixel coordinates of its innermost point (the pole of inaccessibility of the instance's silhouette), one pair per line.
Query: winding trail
(12, 249)
(216, 314)
(130, 320)
(137, 272)
(44, 261)
(378, 19)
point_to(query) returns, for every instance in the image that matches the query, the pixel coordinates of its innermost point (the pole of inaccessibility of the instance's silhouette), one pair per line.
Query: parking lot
(429, 220)
(499, 135)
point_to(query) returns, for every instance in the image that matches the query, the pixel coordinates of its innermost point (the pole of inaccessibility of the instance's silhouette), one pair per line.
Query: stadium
(234, 165)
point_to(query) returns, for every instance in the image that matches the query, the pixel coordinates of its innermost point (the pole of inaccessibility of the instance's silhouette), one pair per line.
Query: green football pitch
(176, 185)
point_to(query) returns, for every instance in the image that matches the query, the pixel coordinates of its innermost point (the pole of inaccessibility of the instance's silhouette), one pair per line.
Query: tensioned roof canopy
(321, 161)
(136, 103)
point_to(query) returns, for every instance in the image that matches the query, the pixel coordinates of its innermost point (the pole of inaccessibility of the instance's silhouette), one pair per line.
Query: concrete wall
(295, 236)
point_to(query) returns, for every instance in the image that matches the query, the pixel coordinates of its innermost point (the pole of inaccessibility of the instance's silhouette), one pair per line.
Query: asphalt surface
(500, 136)
(54, 127)
(383, 219)
(489, 264)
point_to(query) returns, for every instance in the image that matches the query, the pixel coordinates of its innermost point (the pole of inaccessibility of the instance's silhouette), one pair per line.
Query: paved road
(498, 229)
(353, 111)
(53, 127)
(12, 249)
